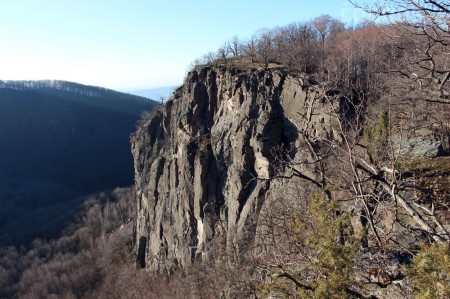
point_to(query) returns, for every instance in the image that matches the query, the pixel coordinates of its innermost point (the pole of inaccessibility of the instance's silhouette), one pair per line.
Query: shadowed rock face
(203, 160)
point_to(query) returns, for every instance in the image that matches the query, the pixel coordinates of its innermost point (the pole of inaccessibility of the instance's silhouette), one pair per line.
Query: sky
(135, 44)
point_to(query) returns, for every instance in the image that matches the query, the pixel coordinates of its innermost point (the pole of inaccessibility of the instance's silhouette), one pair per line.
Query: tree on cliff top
(422, 34)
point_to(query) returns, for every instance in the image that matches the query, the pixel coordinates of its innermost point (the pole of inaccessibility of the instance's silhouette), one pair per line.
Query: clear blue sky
(132, 44)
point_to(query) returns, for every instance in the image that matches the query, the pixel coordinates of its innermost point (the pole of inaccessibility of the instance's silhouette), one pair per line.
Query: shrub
(376, 136)
(231, 67)
(324, 262)
(430, 271)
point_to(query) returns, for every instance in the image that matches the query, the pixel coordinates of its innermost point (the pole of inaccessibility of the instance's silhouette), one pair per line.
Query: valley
(59, 141)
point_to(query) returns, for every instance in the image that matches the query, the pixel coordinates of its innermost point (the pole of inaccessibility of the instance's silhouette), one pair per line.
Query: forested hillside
(60, 140)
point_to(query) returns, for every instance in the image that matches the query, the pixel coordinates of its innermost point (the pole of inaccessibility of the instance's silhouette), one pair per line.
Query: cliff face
(203, 161)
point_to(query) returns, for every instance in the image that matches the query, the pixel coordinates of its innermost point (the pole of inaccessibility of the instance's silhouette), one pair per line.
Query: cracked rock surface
(202, 160)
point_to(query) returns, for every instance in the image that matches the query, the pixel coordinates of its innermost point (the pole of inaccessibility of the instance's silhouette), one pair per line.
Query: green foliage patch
(430, 271)
(326, 253)
(376, 136)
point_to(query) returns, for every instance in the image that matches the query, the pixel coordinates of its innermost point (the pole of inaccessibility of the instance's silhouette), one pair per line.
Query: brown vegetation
(394, 80)
(91, 259)
(367, 206)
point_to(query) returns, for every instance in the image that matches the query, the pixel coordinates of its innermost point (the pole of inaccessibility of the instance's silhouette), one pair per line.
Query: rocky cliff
(204, 160)
(228, 165)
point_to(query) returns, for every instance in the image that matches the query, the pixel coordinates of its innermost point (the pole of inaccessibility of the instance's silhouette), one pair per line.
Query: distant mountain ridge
(52, 115)
(59, 140)
(82, 89)
(77, 89)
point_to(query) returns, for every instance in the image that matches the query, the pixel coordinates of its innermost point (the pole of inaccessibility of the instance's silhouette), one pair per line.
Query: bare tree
(424, 24)
(249, 48)
(298, 47)
(235, 46)
(209, 57)
(224, 52)
(355, 59)
(325, 26)
(265, 49)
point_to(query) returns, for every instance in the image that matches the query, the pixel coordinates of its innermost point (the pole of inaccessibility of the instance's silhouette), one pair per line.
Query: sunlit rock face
(202, 162)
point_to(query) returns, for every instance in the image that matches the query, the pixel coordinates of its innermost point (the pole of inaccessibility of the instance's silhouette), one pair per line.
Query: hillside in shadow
(60, 140)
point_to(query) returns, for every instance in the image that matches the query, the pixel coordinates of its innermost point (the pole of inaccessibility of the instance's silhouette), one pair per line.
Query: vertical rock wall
(202, 162)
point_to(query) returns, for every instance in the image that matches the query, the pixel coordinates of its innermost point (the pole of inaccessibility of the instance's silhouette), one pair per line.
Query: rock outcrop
(203, 161)
(232, 156)
(419, 147)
